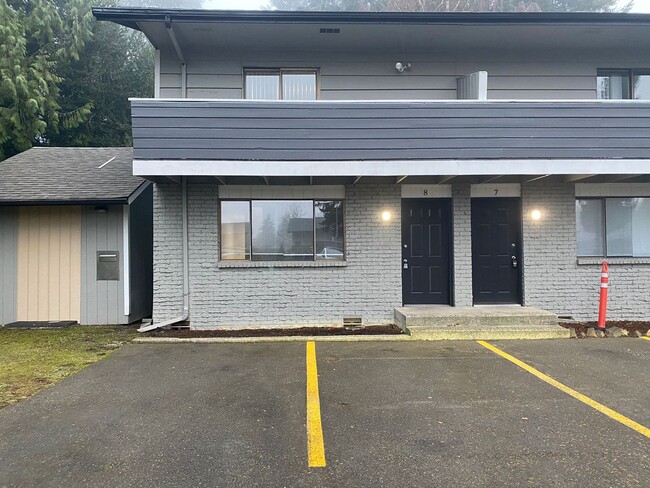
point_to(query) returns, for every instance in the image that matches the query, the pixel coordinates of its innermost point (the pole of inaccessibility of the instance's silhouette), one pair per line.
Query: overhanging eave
(392, 168)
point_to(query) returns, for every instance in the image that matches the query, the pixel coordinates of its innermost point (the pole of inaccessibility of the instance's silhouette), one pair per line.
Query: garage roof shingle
(68, 175)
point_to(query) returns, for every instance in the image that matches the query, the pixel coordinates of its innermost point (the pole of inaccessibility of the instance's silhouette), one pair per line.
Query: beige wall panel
(49, 263)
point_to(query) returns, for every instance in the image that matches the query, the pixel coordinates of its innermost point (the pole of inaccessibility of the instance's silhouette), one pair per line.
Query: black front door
(426, 233)
(496, 250)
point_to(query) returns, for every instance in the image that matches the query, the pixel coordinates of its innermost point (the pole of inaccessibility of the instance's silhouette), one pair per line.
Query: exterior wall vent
(330, 31)
(353, 321)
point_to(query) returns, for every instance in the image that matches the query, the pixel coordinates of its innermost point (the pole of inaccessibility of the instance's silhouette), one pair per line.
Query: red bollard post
(604, 287)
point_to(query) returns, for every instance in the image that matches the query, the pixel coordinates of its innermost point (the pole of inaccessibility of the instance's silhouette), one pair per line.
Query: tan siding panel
(49, 259)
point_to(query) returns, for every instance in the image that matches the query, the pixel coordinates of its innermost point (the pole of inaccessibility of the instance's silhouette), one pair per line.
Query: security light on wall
(401, 67)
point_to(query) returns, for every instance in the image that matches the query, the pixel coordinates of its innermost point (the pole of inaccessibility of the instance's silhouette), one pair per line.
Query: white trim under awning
(613, 190)
(437, 167)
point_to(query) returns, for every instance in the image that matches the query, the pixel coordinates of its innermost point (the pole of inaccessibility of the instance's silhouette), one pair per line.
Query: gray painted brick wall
(168, 252)
(554, 280)
(462, 222)
(369, 286)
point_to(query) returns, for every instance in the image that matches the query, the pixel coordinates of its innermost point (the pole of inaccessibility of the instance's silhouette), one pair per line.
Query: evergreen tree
(36, 36)
(453, 5)
(116, 64)
(186, 4)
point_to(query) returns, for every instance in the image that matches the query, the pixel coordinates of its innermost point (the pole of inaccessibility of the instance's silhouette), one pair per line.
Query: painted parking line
(315, 442)
(646, 338)
(569, 391)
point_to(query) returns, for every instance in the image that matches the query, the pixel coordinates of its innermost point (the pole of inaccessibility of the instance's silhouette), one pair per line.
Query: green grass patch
(31, 360)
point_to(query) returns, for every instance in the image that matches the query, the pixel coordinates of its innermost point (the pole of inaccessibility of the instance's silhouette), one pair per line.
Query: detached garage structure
(76, 237)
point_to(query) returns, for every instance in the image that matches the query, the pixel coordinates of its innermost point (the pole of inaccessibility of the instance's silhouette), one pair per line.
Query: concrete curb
(261, 340)
(422, 335)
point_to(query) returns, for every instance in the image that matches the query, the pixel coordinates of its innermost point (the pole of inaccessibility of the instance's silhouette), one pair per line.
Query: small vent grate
(353, 321)
(330, 31)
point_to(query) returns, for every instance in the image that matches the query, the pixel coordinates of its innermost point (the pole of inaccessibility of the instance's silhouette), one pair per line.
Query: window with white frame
(281, 84)
(623, 84)
(613, 227)
(282, 230)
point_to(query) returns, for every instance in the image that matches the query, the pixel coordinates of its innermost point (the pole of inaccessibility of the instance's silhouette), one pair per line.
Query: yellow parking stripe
(646, 338)
(569, 391)
(315, 443)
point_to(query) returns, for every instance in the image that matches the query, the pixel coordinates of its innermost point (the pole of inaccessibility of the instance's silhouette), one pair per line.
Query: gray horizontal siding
(371, 75)
(8, 263)
(102, 302)
(245, 130)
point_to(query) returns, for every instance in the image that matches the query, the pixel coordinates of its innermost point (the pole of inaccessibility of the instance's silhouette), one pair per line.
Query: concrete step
(478, 323)
(473, 317)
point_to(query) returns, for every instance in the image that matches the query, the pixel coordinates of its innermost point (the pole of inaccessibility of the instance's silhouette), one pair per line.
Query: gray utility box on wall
(108, 266)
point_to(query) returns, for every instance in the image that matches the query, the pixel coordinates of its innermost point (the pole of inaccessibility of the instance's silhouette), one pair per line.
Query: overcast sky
(639, 5)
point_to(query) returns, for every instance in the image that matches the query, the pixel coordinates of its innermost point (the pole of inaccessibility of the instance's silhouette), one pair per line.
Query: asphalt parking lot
(391, 414)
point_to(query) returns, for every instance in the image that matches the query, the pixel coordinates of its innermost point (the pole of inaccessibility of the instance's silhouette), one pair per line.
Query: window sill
(281, 264)
(612, 261)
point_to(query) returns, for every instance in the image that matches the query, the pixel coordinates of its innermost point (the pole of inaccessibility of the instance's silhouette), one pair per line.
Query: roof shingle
(68, 175)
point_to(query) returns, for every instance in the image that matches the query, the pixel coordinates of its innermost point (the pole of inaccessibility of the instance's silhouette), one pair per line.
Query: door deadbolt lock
(515, 263)
(406, 264)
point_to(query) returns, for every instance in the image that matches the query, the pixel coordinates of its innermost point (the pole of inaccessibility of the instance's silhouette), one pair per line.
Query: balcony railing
(246, 130)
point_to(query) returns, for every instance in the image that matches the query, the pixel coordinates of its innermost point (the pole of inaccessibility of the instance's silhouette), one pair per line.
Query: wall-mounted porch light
(536, 215)
(402, 67)
(386, 216)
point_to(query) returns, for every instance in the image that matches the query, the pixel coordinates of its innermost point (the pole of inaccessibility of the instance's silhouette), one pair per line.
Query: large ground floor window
(282, 230)
(613, 227)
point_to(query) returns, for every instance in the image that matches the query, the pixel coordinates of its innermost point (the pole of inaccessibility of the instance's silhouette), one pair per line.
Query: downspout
(186, 269)
(179, 53)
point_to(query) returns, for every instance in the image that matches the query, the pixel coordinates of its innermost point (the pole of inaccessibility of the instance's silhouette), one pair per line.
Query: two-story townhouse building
(315, 166)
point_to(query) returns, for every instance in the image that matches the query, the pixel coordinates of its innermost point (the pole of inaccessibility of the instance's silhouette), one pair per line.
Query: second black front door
(496, 253)
(426, 227)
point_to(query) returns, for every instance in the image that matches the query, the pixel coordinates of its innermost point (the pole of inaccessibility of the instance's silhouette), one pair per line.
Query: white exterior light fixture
(401, 67)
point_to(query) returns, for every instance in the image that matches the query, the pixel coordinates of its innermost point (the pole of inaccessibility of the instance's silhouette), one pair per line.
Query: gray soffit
(58, 175)
(196, 30)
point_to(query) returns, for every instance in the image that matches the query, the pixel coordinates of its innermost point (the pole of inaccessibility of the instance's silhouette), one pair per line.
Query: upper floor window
(281, 84)
(623, 84)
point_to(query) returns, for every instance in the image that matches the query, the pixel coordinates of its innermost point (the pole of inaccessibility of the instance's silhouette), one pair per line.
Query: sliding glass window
(281, 84)
(613, 227)
(623, 84)
(282, 230)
